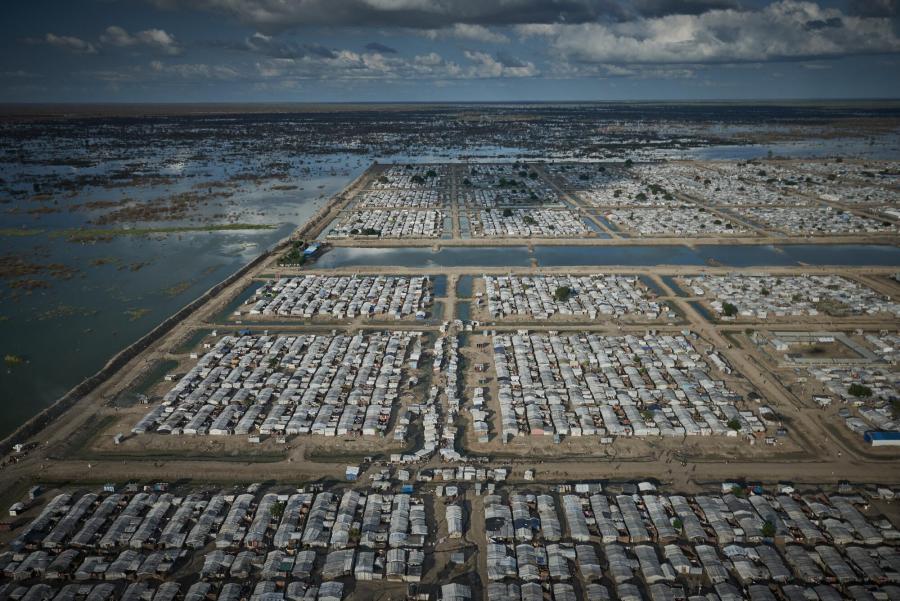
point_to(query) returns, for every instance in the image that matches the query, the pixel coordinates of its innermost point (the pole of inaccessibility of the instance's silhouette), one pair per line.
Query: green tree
(277, 510)
(729, 310)
(768, 529)
(562, 294)
(859, 390)
(734, 424)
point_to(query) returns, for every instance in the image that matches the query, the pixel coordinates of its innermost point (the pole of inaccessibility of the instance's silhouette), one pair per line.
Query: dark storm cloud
(875, 8)
(824, 23)
(660, 8)
(376, 47)
(274, 15)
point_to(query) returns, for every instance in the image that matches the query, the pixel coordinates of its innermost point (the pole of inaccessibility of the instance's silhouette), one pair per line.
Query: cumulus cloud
(563, 69)
(342, 64)
(788, 29)
(114, 36)
(465, 31)
(274, 47)
(500, 65)
(70, 43)
(350, 65)
(195, 70)
(156, 39)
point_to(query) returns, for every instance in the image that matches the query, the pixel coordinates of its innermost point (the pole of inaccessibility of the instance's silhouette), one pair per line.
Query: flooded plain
(110, 225)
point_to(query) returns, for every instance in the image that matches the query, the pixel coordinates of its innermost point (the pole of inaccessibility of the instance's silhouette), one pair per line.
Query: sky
(443, 50)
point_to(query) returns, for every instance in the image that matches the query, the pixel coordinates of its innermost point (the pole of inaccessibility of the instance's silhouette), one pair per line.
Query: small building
(456, 592)
(880, 438)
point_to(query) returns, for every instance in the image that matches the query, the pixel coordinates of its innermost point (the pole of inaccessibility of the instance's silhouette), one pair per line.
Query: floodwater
(464, 286)
(883, 147)
(638, 256)
(123, 288)
(464, 310)
(454, 256)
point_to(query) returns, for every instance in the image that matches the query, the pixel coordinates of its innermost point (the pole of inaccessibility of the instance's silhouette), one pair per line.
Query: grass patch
(137, 313)
(190, 342)
(73, 445)
(107, 234)
(19, 232)
(144, 382)
(179, 288)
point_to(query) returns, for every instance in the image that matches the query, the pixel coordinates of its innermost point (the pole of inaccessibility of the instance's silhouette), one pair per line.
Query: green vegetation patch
(19, 232)
(137, 313)
(859, 390)
(562, 294)
(141, 385)
(107, 234)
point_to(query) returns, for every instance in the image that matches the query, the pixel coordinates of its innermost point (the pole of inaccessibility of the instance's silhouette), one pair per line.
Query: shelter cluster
(562, 542)
(326, 384)
(501, 184)
(722, 184)
(644, 545)
(343, 297)
(413, 176)
(764, 296)
(589, 384)
(527, 223)
(307, 544)
(682, 221)
(871, 389)
(816, 221)
(588, 296)
(388, 223)
(400, 199)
